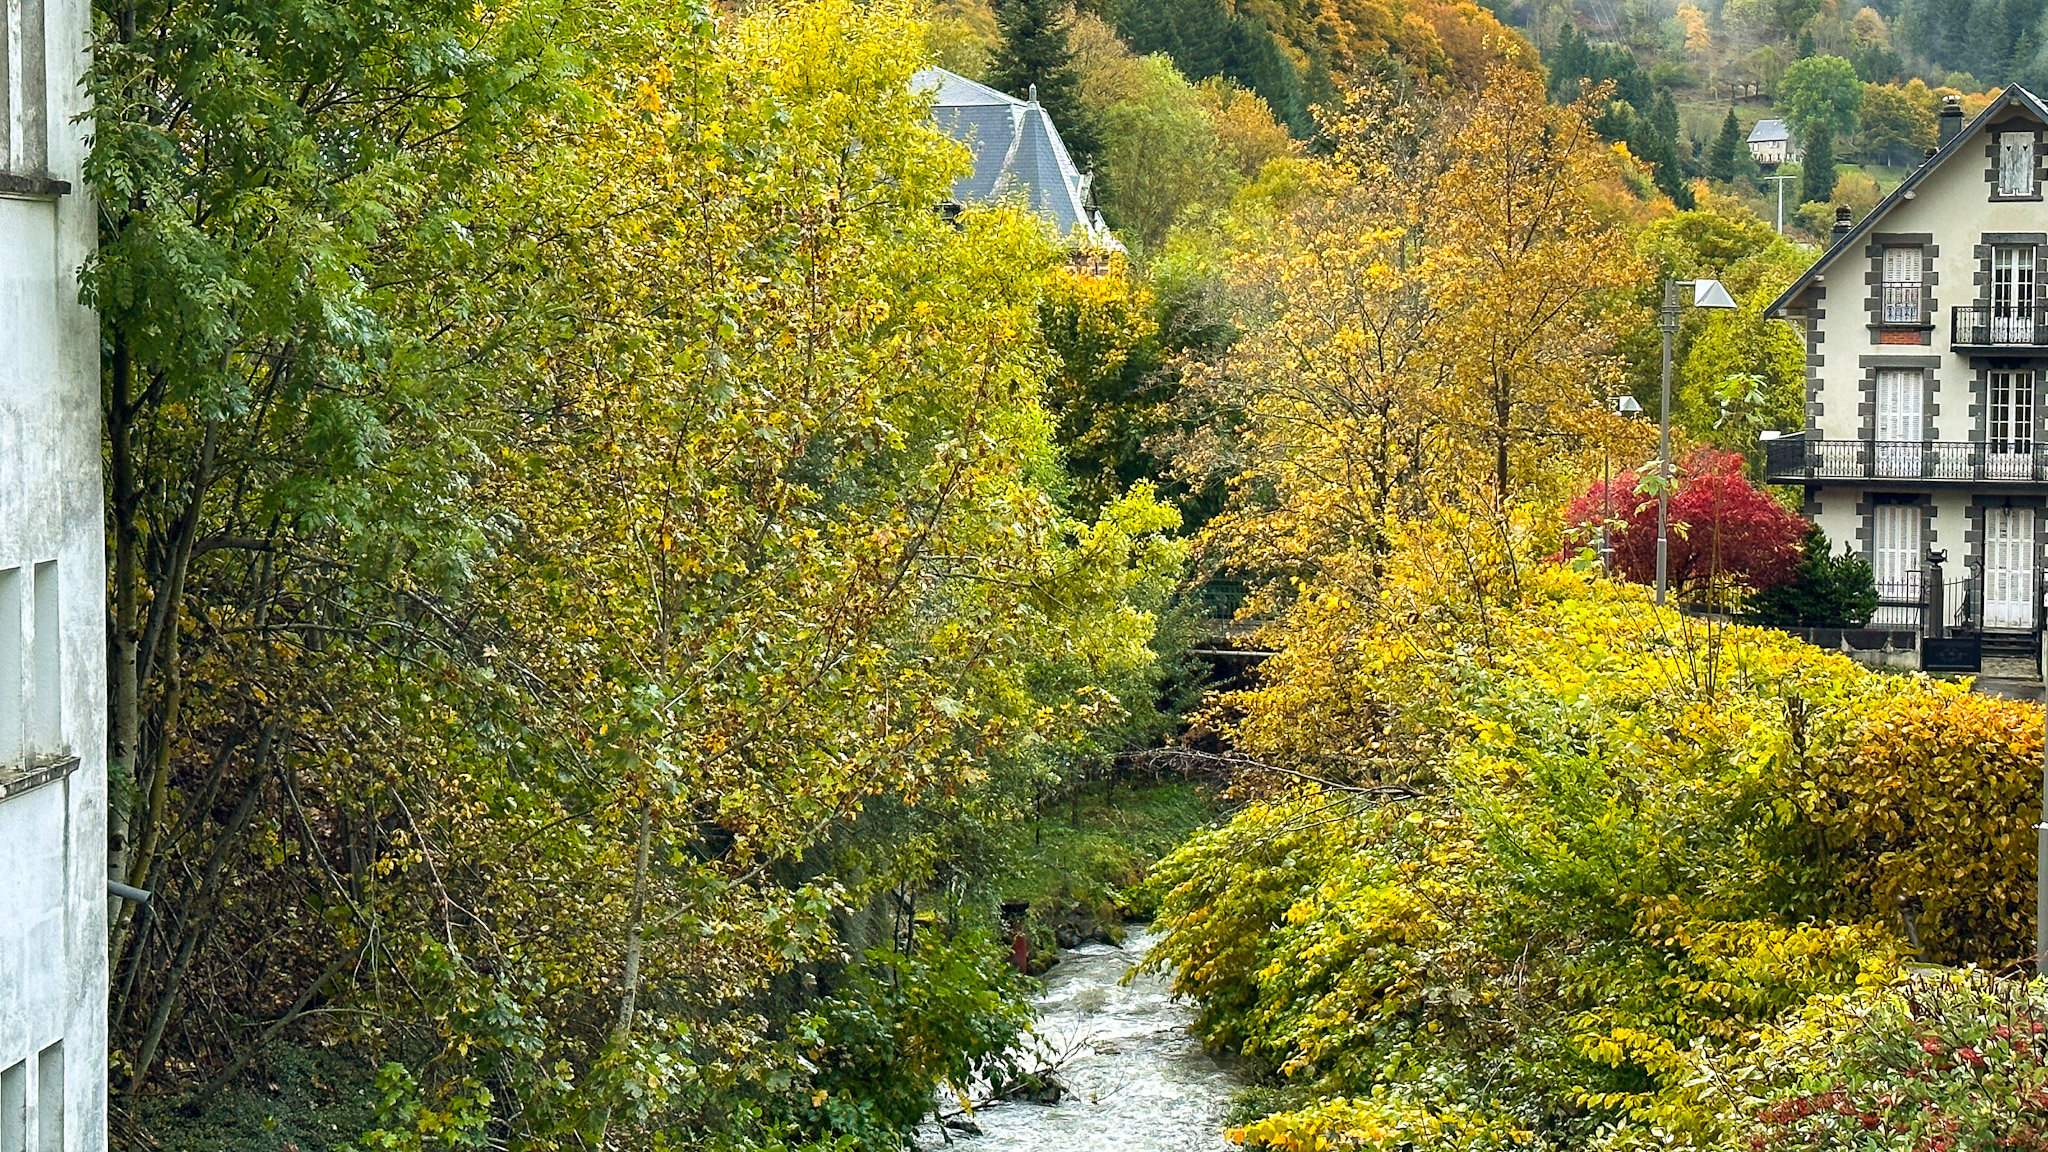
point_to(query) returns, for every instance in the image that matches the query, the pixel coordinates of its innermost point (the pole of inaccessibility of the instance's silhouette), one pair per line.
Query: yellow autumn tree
(1430, 324)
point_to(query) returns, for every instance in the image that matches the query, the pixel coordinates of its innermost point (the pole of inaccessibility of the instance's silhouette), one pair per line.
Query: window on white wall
(1895, 560)
(24, 89)
(13, 669)
(2015, 163)
(50, 1099)
(1902, 284)
(14, 1107)
(46, 668)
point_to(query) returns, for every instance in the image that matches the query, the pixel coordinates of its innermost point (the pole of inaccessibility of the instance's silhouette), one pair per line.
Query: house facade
(1927, 348)
(53, 881)
(1770, 142)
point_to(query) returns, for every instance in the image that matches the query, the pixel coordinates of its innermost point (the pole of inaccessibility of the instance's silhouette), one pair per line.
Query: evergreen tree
(1568, 64)
(1664, 115)
(1806, 44)
(1817, 178)
(1035, 52)
(1826, 591)
(1721, 159)
(1204, 38)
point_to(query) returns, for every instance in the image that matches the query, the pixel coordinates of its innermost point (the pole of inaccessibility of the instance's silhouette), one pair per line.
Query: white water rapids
(1136, 1078)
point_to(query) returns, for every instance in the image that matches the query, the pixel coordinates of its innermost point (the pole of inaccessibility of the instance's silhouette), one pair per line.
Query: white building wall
(1954, 209)
(53, 902)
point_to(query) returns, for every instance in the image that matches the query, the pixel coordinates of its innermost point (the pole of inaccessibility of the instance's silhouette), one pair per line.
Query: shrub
(1826, 590)
(1723, 528)
(1928, 811)
(1947, 1063)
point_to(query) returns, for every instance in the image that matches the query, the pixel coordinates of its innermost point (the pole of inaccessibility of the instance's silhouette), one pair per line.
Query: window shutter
(2016, 163)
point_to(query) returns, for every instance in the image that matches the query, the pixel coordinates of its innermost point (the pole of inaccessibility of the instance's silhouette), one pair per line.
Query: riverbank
(1076, 866)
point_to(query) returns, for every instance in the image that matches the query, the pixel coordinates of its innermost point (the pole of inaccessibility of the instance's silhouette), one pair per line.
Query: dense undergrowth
(1582, 872)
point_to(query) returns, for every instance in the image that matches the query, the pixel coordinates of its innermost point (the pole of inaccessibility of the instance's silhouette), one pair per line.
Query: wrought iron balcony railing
(1998, 326)
(1901, 301)
(1796, 460)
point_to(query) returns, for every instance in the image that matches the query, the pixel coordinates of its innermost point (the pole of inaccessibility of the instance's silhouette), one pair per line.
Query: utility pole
(1780, 182)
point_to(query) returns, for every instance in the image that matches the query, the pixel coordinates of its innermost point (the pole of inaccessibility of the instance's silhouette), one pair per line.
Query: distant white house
(53, 781)
(1770, 142)
(1018, 155)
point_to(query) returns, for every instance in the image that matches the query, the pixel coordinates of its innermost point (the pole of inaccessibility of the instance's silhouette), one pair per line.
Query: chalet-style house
(53, 788)
(1927, 345)
(1018, 156)
(1770, 142)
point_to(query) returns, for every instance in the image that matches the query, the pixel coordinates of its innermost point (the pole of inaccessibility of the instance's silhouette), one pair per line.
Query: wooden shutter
(2016, 164)
(1895, 553)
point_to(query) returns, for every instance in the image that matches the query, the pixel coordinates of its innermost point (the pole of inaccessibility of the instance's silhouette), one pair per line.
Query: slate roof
(1767, 131)
(1018, 154)
(2013, 96)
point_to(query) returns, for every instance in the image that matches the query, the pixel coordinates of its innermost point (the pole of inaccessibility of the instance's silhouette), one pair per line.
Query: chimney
(1951, 119)
(1842, 222)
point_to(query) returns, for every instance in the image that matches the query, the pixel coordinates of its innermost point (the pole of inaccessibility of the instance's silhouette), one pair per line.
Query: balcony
(1998, 326)
(1795, 460)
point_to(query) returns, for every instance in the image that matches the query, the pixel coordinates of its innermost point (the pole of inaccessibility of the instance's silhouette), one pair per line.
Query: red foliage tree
(1722, 527)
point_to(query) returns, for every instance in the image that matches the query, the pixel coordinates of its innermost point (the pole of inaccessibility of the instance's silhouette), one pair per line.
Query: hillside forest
(631, 628)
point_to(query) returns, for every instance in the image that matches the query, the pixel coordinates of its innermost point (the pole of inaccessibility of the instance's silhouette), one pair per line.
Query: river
(1136, 1078)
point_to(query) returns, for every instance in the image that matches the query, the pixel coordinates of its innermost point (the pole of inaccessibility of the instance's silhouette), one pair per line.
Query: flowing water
(1136, 1078)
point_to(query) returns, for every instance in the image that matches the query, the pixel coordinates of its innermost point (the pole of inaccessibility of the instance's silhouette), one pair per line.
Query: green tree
(563, 641)
(1817, 171)
(1826, 590)
(1728, 145)
(1821, 90)
(1035, 53)
(1895, 126)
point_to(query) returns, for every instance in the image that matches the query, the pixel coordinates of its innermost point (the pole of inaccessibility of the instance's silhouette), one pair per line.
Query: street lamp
(1705, 294)
(1780, 181)
(1625, 406)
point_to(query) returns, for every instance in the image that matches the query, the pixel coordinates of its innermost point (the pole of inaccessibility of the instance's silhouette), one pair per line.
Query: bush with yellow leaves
(1569, 852)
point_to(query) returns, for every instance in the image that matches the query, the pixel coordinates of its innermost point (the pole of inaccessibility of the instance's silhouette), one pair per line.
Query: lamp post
(1705, 294)
(1625, 406)
(1780, 181)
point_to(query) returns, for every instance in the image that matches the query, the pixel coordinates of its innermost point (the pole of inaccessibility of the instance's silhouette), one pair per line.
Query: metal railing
(1901, 302)
(1796, 459)
(1998, 326)
(1905, 603)
(1900, 603)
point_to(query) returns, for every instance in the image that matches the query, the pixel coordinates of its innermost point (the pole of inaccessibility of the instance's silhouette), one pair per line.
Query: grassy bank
(1078, 864)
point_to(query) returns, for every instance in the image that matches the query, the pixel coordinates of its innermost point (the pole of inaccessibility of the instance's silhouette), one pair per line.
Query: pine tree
(1567, 64)
(1817, 178)
(1721, 158)
(1664, 114)
(1806, 44)
(1035, 52)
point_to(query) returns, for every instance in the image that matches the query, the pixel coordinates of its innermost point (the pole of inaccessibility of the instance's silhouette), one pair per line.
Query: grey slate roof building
(1018, 154)
(1770, 142)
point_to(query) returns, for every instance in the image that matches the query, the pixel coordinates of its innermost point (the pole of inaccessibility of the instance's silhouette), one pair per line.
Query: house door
(2009, 447)
(2012, 294)
(2009, 568)
(1895, 558)
(1899, 405)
